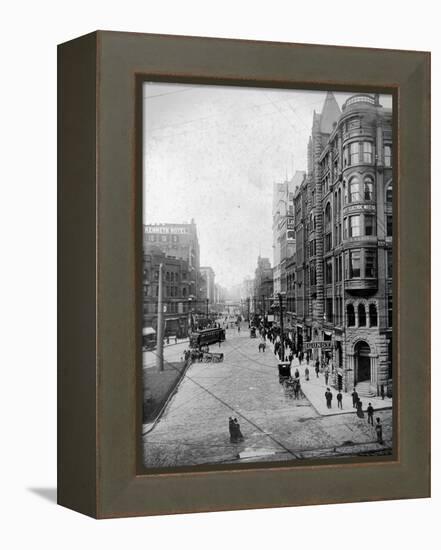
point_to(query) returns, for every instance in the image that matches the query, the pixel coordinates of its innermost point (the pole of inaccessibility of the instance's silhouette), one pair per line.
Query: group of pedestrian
(235, 432)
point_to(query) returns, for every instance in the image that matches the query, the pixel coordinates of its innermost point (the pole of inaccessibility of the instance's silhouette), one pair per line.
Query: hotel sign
(165, 229)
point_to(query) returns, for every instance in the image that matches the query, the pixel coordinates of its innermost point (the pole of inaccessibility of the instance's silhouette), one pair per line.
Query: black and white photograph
(267, 275)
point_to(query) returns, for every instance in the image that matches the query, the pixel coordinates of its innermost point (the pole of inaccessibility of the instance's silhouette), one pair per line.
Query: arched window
(389, 193)
(373, 315)
(361, 315)
(354, 189)
(350, 315)
(368, 188)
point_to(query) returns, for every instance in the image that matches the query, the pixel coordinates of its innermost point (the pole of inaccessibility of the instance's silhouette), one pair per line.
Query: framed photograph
(244, 274)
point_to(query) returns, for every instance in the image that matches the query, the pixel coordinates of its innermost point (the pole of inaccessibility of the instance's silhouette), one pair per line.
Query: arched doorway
(362, 353)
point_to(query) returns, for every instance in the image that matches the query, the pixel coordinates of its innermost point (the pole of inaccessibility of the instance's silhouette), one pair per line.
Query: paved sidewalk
(315, 390)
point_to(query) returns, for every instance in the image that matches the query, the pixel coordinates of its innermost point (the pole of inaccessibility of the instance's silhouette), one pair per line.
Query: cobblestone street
(193, 429)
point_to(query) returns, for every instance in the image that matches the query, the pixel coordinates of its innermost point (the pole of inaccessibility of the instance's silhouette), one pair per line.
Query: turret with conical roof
(330, 114)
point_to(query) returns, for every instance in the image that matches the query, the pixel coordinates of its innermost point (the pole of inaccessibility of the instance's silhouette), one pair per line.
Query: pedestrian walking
(231, 427)
(297, 374)
(359, 406)
(328, 397)
(339, 400)
(326, 376)
(317, 368)
(307, 374)
(238, 329)
(382, 391)
(370, 414)
(379, 431)
(354, 399)
(238, 433)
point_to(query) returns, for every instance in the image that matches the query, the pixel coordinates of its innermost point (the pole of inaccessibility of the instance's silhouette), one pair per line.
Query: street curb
(152, 424)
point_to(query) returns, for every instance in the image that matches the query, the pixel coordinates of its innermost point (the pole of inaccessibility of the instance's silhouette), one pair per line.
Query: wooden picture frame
(99, 472)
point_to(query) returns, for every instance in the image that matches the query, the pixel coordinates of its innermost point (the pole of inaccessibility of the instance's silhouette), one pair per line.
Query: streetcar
(206, 337)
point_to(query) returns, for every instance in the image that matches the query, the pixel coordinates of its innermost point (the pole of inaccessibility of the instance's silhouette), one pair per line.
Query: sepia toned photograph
(267, 280)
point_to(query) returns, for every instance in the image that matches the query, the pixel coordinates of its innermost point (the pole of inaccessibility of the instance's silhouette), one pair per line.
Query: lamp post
(207, 308)
(160, 327)
(282, 336)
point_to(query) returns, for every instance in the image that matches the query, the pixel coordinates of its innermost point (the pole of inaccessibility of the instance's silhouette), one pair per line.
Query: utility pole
(207, 309)
(263, 306)
(248, 303)
(160, 327)
(282, 336)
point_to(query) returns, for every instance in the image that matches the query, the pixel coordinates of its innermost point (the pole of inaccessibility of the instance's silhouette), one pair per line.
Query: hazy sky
(212, 153)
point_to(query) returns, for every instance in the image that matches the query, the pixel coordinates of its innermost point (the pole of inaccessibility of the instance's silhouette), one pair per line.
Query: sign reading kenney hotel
(164, 229)
(318, 344)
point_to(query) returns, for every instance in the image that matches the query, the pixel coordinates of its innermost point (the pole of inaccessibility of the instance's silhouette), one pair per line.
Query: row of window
(171, 276)
(169, 291)
(362, 152)
(153, 238)
(358, 316)
(359, 263)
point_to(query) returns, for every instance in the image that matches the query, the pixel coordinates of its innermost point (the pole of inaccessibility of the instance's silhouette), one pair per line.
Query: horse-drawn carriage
(284, 370)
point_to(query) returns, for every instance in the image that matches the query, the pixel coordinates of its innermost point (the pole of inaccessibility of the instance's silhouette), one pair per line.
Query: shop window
(373, 315)
(368, 185)
(350, 315)
(361, 315)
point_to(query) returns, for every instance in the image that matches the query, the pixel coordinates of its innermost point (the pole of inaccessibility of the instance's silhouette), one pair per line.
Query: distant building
(283, 232)
(210, 285)
(263, 286)
(177, 241)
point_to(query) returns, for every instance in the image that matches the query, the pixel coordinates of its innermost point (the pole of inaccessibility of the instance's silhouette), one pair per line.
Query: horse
(262, 346)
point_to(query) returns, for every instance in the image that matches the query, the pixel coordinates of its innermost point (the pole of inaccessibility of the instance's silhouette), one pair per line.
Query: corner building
(343, 222)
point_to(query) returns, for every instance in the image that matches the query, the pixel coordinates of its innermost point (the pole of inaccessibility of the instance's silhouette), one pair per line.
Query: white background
(29, 34)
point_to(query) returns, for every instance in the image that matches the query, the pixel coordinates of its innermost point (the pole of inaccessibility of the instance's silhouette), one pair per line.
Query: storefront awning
(148, 330)
(328, 332)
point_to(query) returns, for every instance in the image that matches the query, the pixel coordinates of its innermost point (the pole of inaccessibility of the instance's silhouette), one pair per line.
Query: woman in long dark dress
(232, 428)
(239, 436)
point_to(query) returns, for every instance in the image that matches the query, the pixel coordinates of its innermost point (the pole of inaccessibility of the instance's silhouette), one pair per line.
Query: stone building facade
(343, 224)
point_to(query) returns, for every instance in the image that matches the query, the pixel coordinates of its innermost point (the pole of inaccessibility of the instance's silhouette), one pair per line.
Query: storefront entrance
(362, 362)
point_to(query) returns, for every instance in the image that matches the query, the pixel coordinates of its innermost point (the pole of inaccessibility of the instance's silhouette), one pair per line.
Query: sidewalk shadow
(48, 493)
